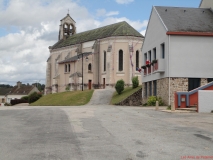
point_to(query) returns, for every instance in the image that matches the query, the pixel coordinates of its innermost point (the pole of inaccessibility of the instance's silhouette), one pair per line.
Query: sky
(29, 27)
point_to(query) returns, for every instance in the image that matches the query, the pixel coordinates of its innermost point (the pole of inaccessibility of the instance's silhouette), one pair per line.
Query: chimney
(19, 84)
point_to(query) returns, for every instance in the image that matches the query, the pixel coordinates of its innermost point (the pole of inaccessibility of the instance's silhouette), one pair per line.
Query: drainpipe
(169, 70)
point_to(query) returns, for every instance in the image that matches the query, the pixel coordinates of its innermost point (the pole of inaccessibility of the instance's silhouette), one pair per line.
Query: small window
(104, 60)
(150, 56)
(154, 88)
(65, 68)
(154, 54)
(120, 63)
(90, 67)
(150, 88)
(137, 59)
(163, 51)
(145, 58)
(146, 89)
(68, 67)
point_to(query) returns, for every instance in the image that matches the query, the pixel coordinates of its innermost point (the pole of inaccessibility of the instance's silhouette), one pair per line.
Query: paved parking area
(96, 132)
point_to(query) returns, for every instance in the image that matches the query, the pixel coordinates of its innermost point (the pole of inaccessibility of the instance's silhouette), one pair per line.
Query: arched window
(68, 67)
(104, 60)
(137, 59)
(65, 68)
(90, 67)
(120, 58)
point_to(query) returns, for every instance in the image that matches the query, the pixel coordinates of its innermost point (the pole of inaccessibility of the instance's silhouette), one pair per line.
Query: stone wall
(177, 84)
(162, 90)
(203, 81)
(134, 100)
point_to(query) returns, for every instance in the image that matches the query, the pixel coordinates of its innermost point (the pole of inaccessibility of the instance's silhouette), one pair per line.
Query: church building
(93, 59)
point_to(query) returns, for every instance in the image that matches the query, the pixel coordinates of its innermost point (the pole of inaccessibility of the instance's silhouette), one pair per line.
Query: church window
(120, 58)
(65, 68)
(68, 67)
(104, 60)
(90, 67)
(137, 59)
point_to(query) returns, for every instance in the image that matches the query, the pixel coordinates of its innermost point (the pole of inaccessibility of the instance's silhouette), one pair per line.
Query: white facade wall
(205, 101)
(191, 56)
(10, 97)
(206, 4)
(155, 36)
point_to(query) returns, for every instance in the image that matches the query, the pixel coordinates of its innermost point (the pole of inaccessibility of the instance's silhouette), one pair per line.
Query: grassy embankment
(73, 98)
(116, 98)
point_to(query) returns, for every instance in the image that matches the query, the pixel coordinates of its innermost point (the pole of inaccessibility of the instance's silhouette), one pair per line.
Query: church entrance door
(90, 84)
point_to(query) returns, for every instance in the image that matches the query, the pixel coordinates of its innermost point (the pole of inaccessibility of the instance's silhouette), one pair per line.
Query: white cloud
(23, 54)
(104, 13)
(124, 1)
(112, 13)
(143, 32)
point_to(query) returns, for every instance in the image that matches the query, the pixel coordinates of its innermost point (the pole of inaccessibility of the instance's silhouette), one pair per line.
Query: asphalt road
(102, 132)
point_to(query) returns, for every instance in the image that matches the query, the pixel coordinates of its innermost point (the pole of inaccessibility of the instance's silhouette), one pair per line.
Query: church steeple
(67, 27)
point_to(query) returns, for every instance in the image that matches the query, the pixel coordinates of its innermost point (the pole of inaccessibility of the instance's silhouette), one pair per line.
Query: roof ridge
(98, 28)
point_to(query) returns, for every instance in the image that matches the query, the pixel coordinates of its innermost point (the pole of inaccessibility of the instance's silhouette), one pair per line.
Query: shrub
(7, 104)
(25, 98)
(34, 97)
(67, 88)
(17, 101)
(135, 82)
(169, 107)
(119, 86)
(152, 101)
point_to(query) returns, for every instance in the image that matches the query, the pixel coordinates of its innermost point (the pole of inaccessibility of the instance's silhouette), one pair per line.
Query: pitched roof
(23, 90)
(68, 15)
(4, 91)
(76, 74)
(178, 19)
(75, 58)
(116, 29)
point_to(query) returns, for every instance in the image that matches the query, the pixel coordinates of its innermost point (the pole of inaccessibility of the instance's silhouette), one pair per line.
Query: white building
(180, 40)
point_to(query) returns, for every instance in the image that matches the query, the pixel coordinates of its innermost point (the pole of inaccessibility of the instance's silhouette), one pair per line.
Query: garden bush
(152, 101)
(25, 98)
(119, 86)
(135, 82)
(34, 97)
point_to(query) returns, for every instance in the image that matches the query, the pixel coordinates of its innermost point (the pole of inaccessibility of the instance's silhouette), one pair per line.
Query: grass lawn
(72, 98)
(116, 98)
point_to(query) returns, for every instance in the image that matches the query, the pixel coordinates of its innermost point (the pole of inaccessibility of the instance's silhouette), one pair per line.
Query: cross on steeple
(68, 11)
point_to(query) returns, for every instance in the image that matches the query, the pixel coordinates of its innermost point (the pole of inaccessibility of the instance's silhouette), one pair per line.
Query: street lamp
(82, 83)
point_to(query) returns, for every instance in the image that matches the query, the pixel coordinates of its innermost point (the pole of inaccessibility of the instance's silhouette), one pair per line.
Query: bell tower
(67, 27)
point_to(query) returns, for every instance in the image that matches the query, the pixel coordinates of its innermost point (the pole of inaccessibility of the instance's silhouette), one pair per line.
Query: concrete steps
(192, 109)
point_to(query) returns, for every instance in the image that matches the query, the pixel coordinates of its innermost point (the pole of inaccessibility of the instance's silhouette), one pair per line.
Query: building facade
(177, 51)
(96, 58)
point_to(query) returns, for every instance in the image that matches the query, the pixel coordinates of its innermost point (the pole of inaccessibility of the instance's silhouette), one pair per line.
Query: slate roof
(76, 73)
(23, 90)
(4, 91)
(186, 19)
(75, 58)
(116, 29)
